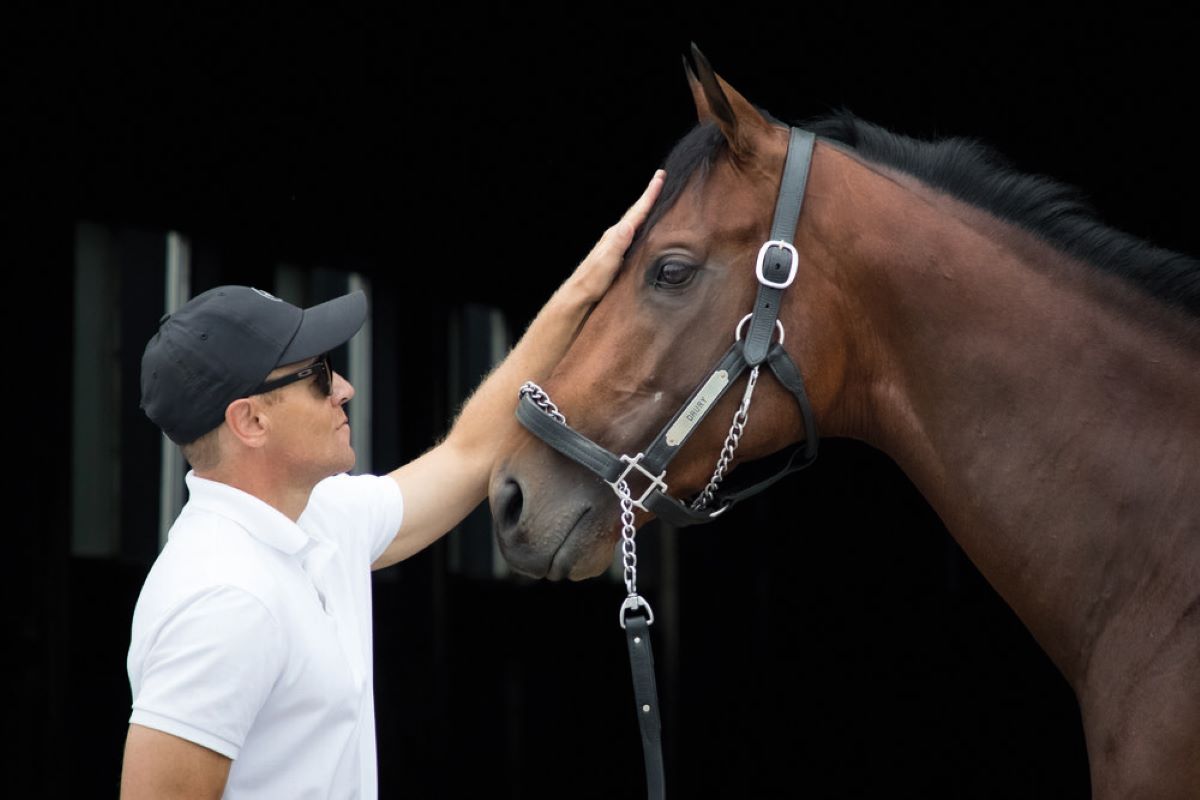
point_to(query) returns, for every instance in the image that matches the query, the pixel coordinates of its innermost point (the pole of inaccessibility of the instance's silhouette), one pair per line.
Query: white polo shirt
(252, 636)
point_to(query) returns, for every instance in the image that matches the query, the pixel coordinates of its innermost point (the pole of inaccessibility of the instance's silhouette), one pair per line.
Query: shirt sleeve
(206, 672)
(375, 500)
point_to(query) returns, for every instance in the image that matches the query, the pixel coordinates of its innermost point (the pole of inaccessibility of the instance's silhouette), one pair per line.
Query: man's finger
(621, 233)
(641, 207)
(616, 239)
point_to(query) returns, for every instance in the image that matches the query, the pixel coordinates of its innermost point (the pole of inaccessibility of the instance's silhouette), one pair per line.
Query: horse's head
(687, 280)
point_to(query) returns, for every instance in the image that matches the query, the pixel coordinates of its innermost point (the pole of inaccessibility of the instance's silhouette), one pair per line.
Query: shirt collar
(260, 520)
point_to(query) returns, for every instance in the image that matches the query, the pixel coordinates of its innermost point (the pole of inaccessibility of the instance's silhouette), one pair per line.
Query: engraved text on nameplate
(699, 406)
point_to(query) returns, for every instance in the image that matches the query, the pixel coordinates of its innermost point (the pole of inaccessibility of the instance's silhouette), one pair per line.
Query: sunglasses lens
(325, 376)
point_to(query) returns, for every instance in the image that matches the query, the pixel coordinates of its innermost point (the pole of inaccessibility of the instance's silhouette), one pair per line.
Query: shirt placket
(315, 561)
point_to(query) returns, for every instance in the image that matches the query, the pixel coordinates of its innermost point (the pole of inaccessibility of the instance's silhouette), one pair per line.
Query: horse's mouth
(581, 551)
(567, 554)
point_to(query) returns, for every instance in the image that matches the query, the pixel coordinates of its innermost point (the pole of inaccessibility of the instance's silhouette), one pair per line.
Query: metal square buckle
(762, 256)
(656, 481)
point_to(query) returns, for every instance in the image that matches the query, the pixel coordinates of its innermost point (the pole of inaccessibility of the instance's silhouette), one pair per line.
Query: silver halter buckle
(762, 257)
(656, 481)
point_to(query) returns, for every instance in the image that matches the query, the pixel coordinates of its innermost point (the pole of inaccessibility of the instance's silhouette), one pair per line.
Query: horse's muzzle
(552, 519)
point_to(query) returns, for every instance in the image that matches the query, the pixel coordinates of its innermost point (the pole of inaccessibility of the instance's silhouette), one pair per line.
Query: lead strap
(645, 695)
(636, 617)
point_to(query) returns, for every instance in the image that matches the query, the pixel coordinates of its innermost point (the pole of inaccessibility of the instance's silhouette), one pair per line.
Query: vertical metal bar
(178, 290)
(359, 375)
(477, 339)
(96, 433)
(456, 558)
(291, 284)
(500, 345)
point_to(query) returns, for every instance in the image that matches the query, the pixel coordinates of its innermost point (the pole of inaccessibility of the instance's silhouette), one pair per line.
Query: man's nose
(342, 389)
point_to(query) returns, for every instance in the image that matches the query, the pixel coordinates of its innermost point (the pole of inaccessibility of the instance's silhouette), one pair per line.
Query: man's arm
(159, 765)
(446, 483)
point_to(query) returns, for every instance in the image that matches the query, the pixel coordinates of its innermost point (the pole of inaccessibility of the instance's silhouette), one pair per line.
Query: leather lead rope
(645, 695)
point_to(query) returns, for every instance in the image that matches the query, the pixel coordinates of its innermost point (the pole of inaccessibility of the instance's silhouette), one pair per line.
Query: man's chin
(343, 464)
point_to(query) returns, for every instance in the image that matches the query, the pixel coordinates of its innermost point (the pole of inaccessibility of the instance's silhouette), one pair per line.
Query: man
(250, 660)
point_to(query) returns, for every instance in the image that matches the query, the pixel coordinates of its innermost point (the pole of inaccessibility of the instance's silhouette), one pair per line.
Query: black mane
(976, 174)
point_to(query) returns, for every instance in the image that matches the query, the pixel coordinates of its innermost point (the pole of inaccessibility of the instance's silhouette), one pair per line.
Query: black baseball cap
(222, 344)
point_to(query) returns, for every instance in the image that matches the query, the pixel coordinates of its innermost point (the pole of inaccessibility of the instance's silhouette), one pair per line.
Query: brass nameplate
(695, 412)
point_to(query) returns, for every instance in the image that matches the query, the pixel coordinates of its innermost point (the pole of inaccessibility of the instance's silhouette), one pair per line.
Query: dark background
(830, 640)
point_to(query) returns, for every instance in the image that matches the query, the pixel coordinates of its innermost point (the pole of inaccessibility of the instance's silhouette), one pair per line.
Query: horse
(1035, 374)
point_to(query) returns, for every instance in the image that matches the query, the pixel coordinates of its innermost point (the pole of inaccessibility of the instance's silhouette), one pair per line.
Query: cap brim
(326, 326)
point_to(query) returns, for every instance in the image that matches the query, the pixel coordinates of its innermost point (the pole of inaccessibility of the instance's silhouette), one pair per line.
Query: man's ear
(248, 421)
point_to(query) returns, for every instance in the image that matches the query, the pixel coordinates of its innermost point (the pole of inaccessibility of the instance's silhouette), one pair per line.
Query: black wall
(828, 641)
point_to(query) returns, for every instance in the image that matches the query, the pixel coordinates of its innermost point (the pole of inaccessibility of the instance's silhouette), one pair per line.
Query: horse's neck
(1053, 430)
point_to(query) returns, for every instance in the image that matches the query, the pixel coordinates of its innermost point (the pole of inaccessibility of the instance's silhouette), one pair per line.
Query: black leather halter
(775, 269)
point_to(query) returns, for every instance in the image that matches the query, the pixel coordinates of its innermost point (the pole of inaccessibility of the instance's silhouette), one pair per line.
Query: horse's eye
(674, 273)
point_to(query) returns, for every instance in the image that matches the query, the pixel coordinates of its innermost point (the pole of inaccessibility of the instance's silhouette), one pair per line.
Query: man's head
(224, 345)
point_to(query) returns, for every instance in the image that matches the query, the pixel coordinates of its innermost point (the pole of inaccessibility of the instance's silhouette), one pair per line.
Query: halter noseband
(775, 268)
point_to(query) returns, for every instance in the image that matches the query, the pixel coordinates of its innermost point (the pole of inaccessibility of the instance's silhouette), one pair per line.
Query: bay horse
(1035, 373)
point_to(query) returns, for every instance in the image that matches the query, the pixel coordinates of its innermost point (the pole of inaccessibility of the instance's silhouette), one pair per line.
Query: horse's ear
(703, 112)
(718, 102)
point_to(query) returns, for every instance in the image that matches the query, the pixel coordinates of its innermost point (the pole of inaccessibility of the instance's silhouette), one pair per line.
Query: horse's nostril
(512, 500)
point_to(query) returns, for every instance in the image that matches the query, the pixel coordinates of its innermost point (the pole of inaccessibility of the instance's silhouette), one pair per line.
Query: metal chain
(628, 546)
(541, 399)
(731, 444)
(628, 549)
(628, 531)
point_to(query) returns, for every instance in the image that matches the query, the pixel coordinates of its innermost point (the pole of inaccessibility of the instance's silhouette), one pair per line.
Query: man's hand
(595, 273)
(442, 486)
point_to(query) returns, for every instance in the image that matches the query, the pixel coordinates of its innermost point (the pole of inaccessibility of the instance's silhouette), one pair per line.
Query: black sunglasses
(320, 368)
